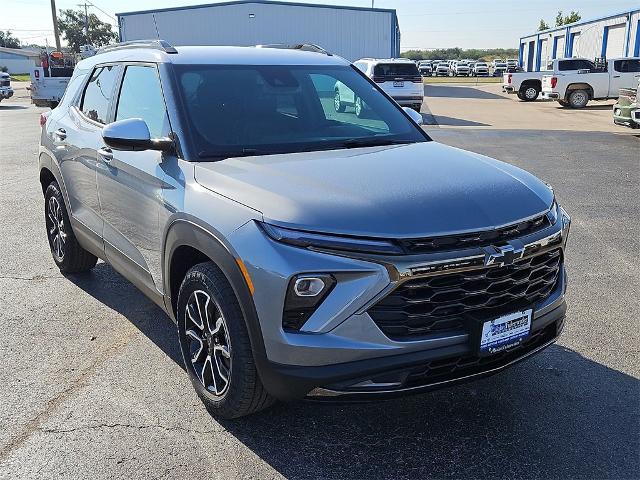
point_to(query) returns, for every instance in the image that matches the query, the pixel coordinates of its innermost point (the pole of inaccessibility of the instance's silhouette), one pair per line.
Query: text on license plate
(398, 84)
(505, 332)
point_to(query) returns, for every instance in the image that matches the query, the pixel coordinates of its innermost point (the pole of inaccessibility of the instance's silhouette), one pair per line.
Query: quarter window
(141, 97)
(98, 93)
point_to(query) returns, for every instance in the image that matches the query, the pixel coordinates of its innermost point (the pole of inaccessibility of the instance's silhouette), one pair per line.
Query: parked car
(461, 69)
(301, 253)
(635, 113)
(425, 68)
(398, 77)
(5, 86)
(528, 85)
(480, 69)
(512, 65)
(442, 70)
(576, 89)
(499, 67)
(625, 107)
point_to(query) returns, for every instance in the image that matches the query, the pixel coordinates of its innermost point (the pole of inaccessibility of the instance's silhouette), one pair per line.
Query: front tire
(337, 103)
(359, 107)
(69, 256)
(578, 99)
(215, 345)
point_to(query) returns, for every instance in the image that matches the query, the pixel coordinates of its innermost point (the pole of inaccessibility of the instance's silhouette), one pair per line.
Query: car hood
(414, 190)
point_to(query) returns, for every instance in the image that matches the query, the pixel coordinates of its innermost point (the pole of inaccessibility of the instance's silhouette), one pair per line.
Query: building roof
(263, 2)
(20, 51)
(584, 22)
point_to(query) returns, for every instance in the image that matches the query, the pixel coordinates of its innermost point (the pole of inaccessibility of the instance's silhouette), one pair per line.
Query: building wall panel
(352, 34)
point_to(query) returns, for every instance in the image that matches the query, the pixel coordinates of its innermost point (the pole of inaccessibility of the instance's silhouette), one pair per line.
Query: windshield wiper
(221, 155)
(373, 142)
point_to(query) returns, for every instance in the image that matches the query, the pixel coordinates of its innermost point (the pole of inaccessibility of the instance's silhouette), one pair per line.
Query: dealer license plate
(505, 332)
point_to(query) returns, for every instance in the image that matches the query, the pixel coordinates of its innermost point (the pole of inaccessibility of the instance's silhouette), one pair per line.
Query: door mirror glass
(132, 134)
(415, 116)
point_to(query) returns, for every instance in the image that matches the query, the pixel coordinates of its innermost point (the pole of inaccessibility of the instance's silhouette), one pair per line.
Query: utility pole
(86, 21)
(56, 34)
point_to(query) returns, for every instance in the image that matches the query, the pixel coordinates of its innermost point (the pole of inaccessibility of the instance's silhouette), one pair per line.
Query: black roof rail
(155, 44)
(307, 47)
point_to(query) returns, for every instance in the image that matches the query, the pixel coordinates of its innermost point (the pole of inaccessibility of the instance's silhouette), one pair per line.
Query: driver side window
(141, 97)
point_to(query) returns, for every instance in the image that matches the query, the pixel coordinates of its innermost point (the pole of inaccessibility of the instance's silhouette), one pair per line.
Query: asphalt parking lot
(93, 387)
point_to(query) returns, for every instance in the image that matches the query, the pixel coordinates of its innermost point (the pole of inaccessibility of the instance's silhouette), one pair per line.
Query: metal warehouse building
(612, 36)
(351, 32)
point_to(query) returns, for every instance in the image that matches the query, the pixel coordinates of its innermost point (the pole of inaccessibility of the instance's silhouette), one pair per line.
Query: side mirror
(415, 116)
(133, 134)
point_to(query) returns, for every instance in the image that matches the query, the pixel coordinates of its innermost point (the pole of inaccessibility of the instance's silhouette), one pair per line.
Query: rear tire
(69, 256)
(578, 98)
(216, 347)
(528, 93)
(563, 103)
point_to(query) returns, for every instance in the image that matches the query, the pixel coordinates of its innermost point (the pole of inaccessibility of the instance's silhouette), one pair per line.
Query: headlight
(300, 238)
(553, 213)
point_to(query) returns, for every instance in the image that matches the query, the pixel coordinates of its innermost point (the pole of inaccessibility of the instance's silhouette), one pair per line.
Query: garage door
(614, 36)
(544, 52)
(559, 50)
(574, 47)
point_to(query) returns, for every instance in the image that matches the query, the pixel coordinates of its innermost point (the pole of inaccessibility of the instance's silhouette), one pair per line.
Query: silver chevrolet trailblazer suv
(301, 251)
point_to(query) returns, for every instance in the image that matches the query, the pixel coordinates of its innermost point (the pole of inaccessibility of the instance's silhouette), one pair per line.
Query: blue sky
(424, 23)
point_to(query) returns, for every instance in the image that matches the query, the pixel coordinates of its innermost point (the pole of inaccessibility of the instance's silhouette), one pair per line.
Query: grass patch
(20, 77)
(473, 80)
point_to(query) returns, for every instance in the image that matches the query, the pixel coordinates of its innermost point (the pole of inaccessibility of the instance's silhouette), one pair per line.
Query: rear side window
(626, 66)
(98, 92)
(141, 97)
(567, 65)
(396, 70)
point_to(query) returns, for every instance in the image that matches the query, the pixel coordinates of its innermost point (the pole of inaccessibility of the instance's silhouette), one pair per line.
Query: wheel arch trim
(191, 232)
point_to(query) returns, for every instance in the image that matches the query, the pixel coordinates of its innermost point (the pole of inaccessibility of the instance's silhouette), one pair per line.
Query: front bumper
(409, 373)
(623, 114)
(6, 92)
(340, 349)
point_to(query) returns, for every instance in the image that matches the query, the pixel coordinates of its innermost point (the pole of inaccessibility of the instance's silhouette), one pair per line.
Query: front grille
(5, 83)
(455, 302)
(452, 368)
(475, 239)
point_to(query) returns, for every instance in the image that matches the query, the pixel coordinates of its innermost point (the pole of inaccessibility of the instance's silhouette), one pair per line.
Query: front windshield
(238, 110)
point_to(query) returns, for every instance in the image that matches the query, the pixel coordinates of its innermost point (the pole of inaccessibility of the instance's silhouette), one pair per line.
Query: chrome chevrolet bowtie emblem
(504, 255)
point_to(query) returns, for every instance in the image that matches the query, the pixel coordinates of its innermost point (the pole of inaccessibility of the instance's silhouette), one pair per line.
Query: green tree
(559, 19)
(566, 20)
(543, 25)
(72, 26)
(572, 18)
(8, 40)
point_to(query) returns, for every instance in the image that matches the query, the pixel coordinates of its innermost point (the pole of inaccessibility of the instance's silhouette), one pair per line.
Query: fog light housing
(304, 294)
(308, 286)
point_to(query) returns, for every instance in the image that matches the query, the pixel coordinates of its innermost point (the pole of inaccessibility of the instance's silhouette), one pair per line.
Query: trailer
(351, 32)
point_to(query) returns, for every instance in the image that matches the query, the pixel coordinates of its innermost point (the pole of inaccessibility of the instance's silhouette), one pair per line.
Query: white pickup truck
(47, 91)
(528, 85)
(576, 89)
